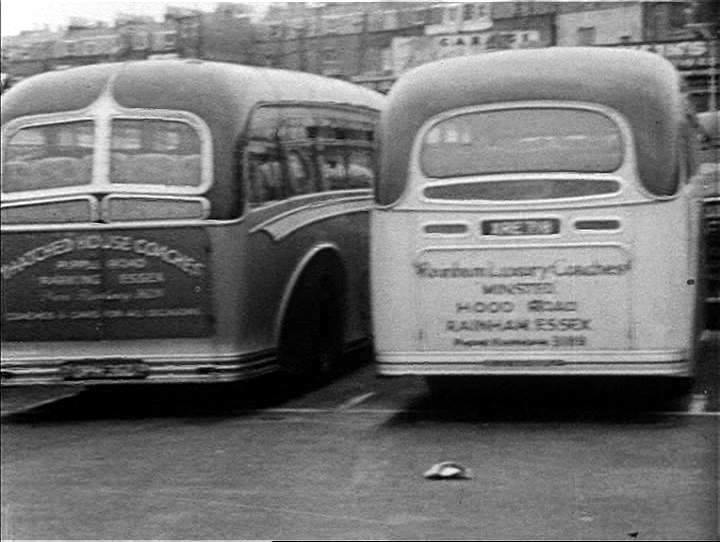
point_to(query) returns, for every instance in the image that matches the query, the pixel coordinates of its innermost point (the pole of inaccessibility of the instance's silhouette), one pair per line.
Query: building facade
(619, 24)
(372, 43)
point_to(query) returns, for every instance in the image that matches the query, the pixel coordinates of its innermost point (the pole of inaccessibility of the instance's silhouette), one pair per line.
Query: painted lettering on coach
(90, 286)
(565, 298)
(122, 243)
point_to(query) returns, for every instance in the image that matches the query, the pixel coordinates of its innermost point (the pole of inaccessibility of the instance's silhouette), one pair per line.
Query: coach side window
(361, 169)
(265, 176)
(333, 169)
(296, 149)
(345, 151)
(299, 149)
(262, 157)
(299, 173)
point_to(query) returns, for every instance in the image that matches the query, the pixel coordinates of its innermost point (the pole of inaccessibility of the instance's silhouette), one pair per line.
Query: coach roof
(642, 86)
(221, 94)
(212, 90)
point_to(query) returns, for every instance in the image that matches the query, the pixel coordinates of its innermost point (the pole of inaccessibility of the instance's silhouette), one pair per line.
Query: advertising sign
(684, 55)
(410, 52)
(85, 285)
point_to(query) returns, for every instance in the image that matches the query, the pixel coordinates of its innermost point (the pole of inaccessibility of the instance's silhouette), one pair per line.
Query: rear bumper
(648, 363)
(33, 371)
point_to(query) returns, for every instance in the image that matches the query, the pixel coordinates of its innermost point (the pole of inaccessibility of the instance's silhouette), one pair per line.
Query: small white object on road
(448, 470)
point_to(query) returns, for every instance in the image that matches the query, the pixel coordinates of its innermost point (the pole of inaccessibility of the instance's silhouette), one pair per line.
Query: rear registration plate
(542, 226)
(104, 369)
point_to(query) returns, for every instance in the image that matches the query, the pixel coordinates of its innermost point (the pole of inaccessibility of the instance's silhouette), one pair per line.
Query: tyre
(445, 388)
(311, 342)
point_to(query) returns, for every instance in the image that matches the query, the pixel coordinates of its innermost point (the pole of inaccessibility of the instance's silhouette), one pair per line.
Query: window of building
(387, 59)
(140, 41)
(422, 16)
(436, 15)
(468, 12)
(678, 14)
(329, 55)
(586, 35)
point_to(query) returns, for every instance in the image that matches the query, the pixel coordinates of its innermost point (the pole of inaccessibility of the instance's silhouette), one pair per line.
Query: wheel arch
(318, 251)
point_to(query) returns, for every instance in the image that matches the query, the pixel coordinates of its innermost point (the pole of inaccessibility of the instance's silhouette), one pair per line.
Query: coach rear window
(522, 140)
(41, 157)
(155, 152)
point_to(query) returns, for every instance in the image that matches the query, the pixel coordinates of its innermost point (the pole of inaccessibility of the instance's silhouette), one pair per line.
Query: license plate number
(545, 226)
(104, 370)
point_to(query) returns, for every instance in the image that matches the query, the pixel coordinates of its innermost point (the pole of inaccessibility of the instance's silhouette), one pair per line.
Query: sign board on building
(413, 51)
(685, 55)
(455, 17)
(108, 44)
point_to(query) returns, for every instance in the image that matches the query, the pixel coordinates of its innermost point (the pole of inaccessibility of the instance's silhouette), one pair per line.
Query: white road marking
(233, 503)
(330, 410)
(355, 401)
(394, 411)
(698, 403)
(700, 414)
(36, 404)
(698, 406)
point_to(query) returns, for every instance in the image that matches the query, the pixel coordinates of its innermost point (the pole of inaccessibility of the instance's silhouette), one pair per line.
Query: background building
(372, 43)
(603, 25)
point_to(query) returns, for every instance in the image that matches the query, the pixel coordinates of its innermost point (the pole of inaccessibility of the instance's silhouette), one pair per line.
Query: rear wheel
(440, 386)
(311, 343)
